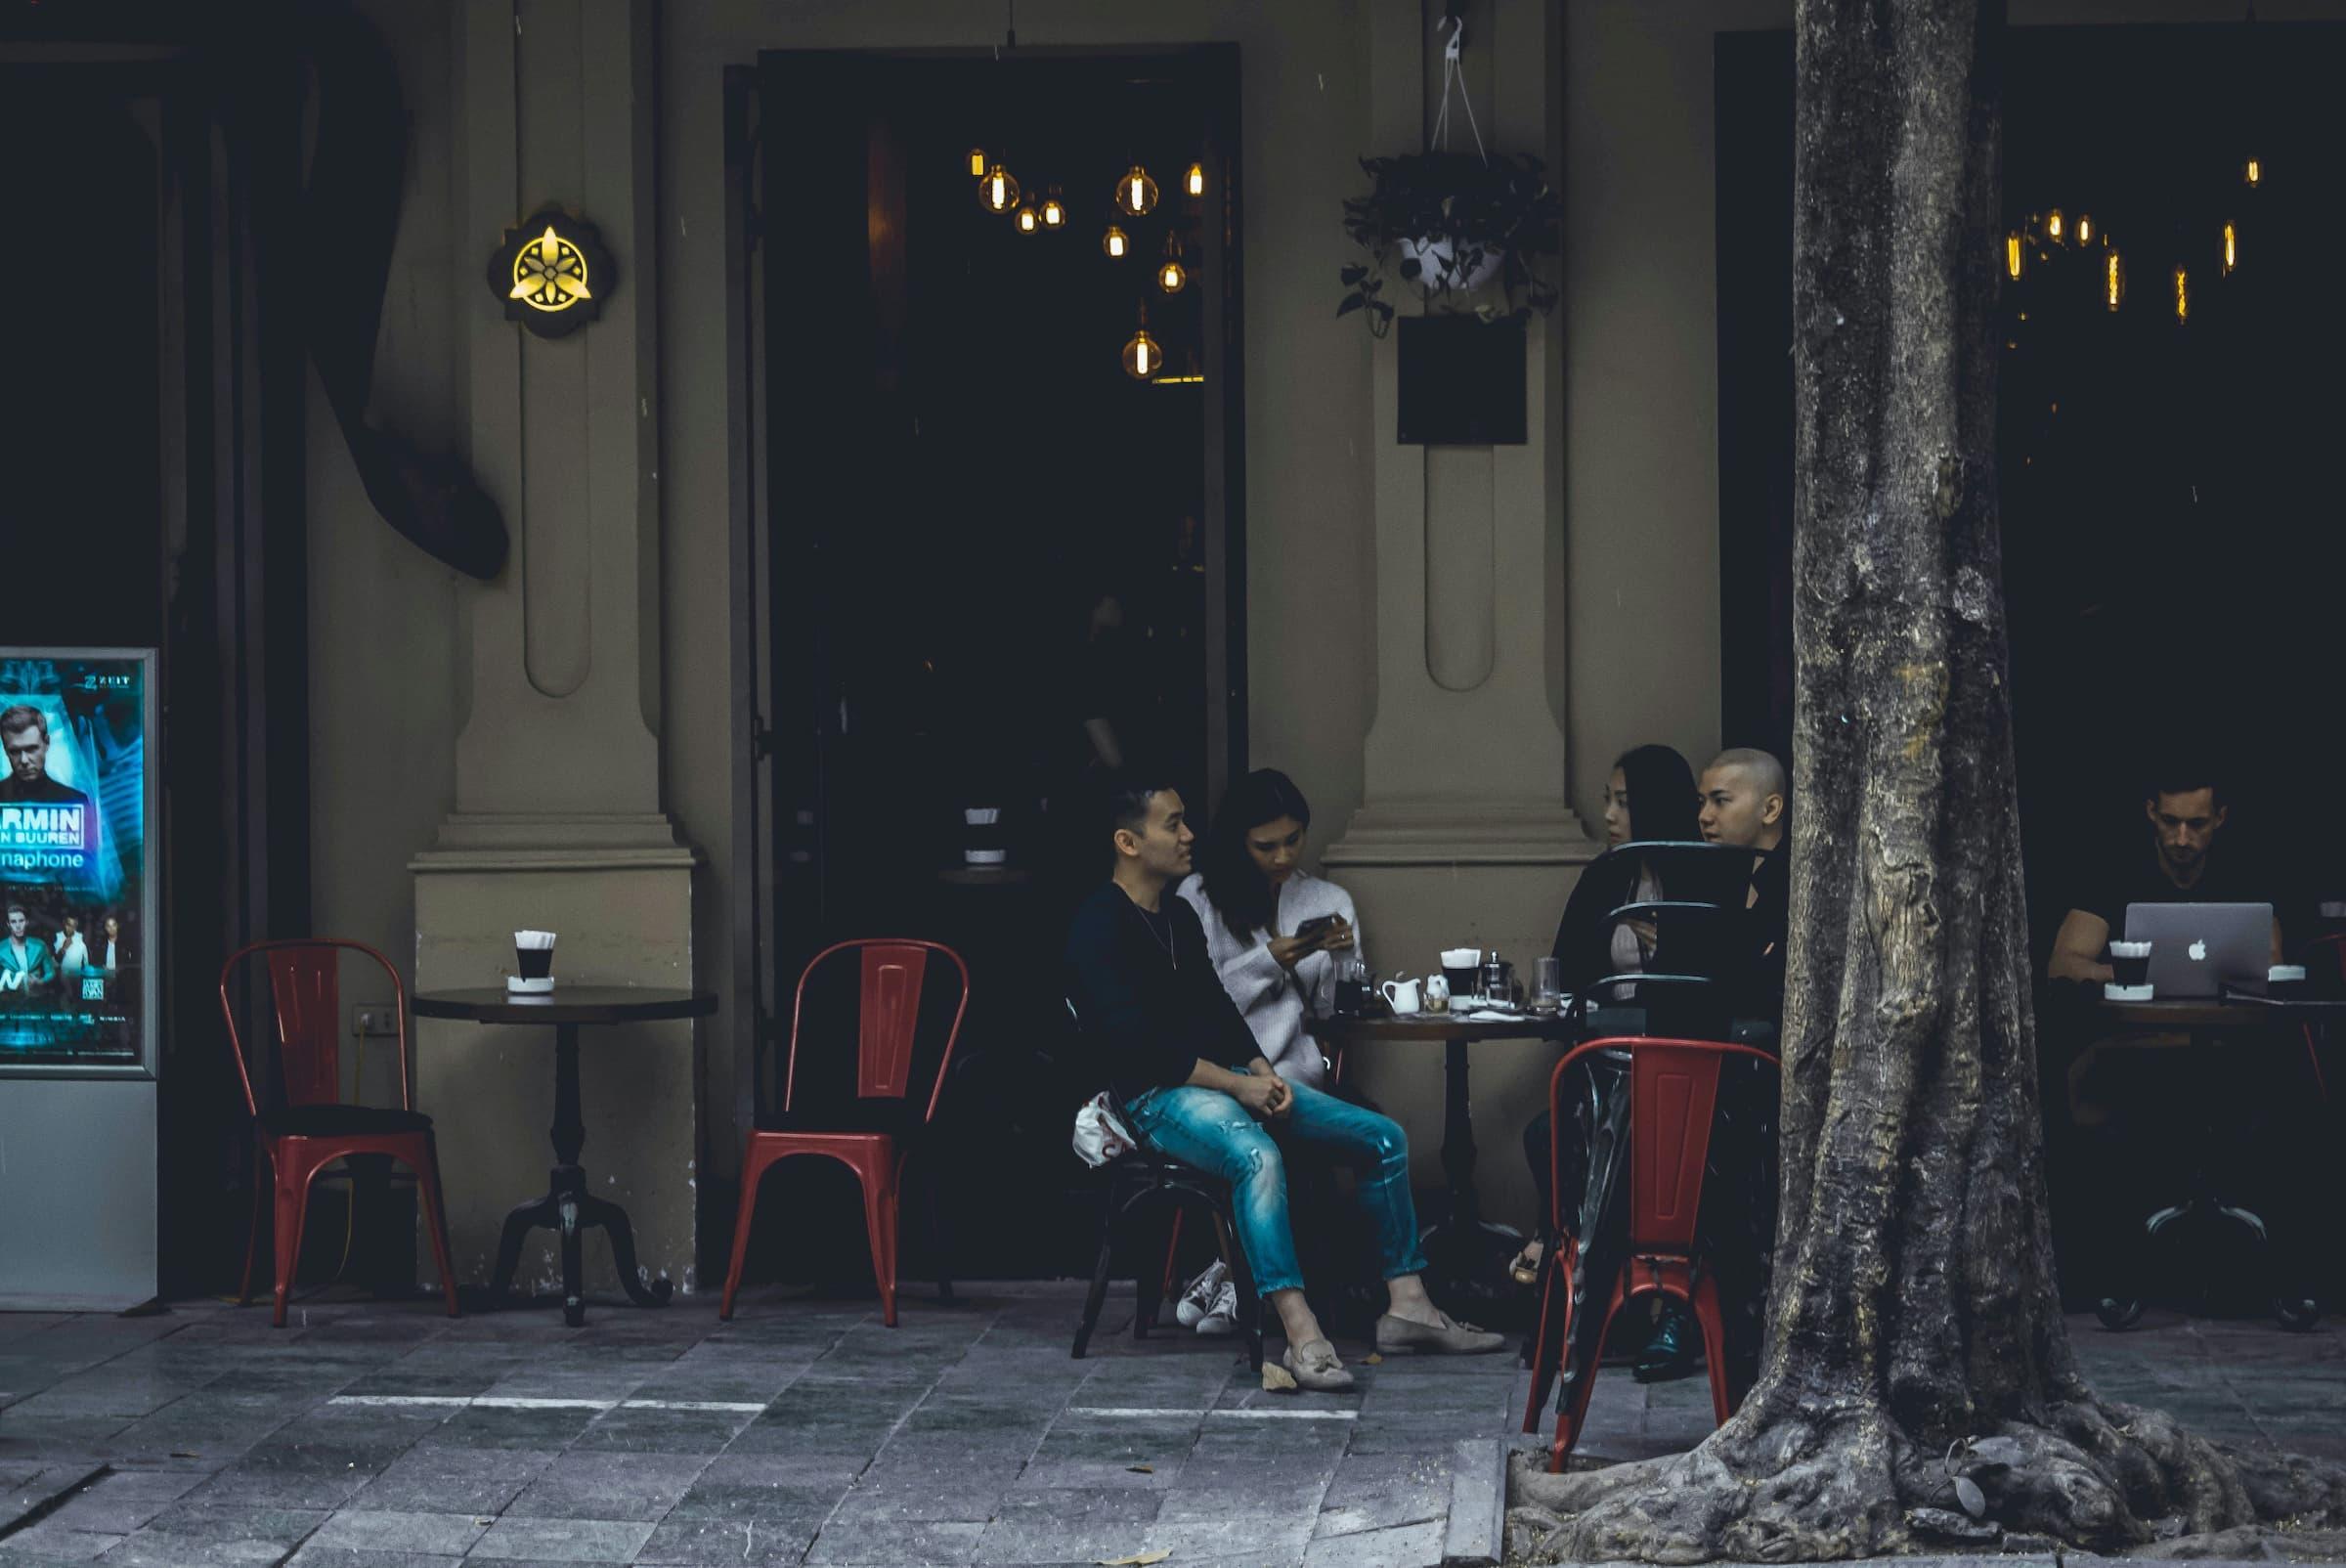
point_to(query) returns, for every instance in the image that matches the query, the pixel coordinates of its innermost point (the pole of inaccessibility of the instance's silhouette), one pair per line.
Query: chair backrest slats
(1672, 1090)
(305, 984)
(305, 996)
(892, 975)
(890, 1015)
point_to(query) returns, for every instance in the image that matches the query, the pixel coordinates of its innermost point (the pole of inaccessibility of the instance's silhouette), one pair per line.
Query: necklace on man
(1163, 939)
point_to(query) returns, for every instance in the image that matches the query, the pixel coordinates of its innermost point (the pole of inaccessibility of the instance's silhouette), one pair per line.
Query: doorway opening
(1000, 539)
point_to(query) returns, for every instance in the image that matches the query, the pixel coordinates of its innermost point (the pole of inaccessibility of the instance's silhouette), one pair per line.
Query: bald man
(1745, 804)
(1743, 794)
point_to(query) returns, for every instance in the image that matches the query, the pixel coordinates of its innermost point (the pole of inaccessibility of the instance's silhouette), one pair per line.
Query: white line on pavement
(518, 1402)
(1144, 1412)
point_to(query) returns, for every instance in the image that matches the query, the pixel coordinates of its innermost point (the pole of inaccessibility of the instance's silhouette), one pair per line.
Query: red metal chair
(307, 1125)
(1673, 1089)
(893, 980)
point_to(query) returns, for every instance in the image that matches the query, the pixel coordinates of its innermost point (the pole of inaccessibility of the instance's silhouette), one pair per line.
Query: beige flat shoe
(1315, 1367)
(1400, 1336)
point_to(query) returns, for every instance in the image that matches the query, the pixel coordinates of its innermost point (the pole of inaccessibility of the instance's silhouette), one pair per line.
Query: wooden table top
(565, 1004)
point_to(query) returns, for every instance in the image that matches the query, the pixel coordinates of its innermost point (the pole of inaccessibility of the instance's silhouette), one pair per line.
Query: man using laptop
(1193, 1083)
(2180, 864)
(2109, 1093)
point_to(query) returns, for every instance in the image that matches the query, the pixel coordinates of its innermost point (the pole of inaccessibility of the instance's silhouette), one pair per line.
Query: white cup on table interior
(1402, 995)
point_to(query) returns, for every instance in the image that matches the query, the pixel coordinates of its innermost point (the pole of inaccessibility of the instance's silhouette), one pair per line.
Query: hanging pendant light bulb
(2011, 255)
(2232, 248)
(1027, 219)
(2085, 228)
(1143, 359)
(976, 162)
(2114, 281)
(1054, 211)
(1115, 243)
(1194, 181)
(1136, 193)
(2183, 297)
(2256, 172)
(1171, 276)
(2053, 227)
(998, 191)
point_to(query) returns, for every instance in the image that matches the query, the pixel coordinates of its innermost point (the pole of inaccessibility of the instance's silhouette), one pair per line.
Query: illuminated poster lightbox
(79, 978)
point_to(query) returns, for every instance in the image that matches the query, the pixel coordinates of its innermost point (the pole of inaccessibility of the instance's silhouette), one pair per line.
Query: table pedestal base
(568, 1208)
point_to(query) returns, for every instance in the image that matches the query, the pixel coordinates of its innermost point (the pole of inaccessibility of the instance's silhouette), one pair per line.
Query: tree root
(1787, 1481)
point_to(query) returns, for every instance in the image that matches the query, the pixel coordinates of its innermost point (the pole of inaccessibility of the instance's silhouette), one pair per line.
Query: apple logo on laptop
(2199, 951)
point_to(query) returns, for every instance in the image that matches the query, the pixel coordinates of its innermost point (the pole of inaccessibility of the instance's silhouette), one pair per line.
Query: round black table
(568, 1207)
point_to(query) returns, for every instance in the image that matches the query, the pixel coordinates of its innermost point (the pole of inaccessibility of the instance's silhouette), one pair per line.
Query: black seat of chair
(341, 1121)
(1135, 1179)
(892, 1118)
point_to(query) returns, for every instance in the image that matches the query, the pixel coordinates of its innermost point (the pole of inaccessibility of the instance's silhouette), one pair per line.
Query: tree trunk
(1915, 1332)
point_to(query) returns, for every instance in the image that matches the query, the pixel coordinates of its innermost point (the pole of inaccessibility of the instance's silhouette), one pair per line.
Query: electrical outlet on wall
(374, 1017)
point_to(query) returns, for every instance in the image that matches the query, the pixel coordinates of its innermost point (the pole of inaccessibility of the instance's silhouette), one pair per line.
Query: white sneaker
(1198, 1300)
(1223, 1319)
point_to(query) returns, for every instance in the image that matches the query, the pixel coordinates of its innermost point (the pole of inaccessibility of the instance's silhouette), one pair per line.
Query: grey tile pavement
(384, 1436)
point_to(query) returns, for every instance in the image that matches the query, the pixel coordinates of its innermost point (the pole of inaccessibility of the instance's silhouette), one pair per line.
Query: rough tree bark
(1915, 1310)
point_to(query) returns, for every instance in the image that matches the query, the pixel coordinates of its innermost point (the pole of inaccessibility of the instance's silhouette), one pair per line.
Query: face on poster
(76, 804)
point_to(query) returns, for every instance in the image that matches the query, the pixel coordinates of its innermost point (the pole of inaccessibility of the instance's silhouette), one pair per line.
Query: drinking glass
(1547, 983)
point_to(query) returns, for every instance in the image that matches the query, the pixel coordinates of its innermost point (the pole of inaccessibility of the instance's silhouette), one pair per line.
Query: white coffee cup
(1402, 995)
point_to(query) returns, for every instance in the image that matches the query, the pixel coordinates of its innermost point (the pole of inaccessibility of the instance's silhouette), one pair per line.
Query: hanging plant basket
(1454, 223)
(1445, 265)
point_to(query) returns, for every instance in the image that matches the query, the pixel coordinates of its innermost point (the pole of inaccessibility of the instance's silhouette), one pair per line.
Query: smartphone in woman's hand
(1315, 927)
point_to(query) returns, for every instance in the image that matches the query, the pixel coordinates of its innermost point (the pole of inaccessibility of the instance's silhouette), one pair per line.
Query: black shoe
(1675, 1350)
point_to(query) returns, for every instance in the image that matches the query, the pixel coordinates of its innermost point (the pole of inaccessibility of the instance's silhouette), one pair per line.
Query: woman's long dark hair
(1234, 884)
(1661, 809)
(1662, 802)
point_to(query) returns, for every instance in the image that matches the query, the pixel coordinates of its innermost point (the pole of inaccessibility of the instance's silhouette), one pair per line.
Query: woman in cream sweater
(1255, 902)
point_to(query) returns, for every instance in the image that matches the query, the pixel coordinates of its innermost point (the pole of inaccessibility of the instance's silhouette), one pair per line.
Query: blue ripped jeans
(1209, 1129)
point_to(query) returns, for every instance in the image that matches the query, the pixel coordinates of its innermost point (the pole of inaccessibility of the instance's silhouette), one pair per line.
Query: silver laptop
(2198, 949)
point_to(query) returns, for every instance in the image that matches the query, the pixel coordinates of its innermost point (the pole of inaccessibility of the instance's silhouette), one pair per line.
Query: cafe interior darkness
(966, 473)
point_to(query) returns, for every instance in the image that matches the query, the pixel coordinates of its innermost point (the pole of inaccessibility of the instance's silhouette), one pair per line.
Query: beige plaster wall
(1641, 318)
(386, 639)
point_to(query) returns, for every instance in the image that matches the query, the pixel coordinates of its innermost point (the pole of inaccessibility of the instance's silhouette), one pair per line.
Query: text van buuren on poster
(77, 793)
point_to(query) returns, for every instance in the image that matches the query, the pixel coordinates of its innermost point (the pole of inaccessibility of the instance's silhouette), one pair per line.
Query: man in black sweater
(1185, 1066)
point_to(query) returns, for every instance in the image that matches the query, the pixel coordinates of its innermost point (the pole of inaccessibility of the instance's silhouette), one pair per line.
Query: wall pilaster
(1465, 836)
(558, 820)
